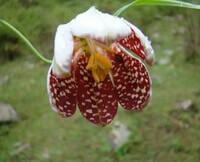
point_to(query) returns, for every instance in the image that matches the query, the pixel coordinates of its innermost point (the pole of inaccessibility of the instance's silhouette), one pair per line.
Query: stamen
(90, 62)
(98, 63)
(103, 62)
(79, 44)
(95, 75)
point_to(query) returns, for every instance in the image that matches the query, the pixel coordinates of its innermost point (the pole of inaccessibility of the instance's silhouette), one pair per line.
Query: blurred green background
(165, 131)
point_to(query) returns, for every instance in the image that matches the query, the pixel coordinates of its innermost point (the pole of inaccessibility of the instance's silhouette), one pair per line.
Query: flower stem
(25, 40)
(175, 3)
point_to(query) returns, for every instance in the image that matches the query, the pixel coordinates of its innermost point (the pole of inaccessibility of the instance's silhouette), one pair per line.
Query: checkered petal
(62, 94)
(97, 101)
(132, 81)
(139, 44)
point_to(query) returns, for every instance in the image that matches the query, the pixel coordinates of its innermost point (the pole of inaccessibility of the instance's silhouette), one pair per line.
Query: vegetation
(161, 132)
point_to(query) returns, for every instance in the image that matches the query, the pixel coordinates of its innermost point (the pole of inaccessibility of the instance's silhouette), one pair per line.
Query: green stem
(25, 40)
(174, 3)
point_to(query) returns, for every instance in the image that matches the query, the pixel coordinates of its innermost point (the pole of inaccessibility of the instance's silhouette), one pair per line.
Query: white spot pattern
(62, 94)
(132, 81)
(96, 101)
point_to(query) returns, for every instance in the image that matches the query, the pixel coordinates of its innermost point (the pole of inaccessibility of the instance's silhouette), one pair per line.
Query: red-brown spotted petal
(132, 81)
(62, 94)
(96, 101)
(133, 43)
(138, 43)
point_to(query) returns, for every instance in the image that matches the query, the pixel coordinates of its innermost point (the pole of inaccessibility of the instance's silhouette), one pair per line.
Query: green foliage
(159, 133)
(20, 36)
(174, 3)
(38, 20)
(192, 38)
(9, 49)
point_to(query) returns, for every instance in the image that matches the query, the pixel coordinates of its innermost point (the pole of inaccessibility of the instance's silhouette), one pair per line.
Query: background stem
(25, 40)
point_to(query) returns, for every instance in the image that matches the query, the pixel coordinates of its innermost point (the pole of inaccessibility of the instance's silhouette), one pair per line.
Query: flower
(94, 70)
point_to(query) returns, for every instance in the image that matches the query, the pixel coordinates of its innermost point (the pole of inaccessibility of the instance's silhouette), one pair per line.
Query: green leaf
(174, 3)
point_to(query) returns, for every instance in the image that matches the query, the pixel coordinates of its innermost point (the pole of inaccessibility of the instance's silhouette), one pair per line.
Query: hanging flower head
(93, 69)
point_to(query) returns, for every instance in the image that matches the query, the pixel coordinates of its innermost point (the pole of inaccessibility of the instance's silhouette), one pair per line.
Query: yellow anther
(99, 65)
(95, 75)
(102, 61)
(90, 62)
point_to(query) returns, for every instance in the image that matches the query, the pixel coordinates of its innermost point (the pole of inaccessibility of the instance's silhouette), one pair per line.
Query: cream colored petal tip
(150, 58)
(99, 26)
(63, 50)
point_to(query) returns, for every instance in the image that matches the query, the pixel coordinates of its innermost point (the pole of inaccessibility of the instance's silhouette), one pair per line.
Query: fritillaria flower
(94, 68)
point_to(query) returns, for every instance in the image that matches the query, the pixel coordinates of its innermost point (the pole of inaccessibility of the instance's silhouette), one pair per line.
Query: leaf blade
(174, 3)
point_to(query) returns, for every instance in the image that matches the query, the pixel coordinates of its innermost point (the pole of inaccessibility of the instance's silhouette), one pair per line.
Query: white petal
(145, 43)
(99, 26)
(63, 50)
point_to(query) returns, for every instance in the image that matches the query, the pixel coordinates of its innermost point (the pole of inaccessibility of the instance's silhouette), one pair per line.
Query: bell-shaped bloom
(94, 68)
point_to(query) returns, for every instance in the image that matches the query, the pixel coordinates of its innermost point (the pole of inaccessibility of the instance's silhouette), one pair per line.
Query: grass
(159, 133)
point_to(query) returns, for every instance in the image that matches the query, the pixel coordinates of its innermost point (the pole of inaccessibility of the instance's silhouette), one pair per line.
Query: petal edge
(132, 81)
(62, 94)
(138, 43)
(63, 50)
